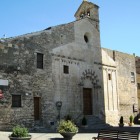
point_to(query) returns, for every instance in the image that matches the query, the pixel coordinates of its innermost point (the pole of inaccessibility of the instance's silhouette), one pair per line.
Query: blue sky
(119, 19)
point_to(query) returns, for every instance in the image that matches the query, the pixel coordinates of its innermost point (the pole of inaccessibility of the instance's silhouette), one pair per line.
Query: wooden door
(37, 108)
(87, 101)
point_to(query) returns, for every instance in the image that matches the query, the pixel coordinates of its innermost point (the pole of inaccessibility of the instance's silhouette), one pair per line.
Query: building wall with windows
(138, 79)
(126, 79)
(62, 71)
(26, 63)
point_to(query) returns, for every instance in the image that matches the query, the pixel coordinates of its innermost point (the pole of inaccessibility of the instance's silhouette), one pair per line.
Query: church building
(63, 70)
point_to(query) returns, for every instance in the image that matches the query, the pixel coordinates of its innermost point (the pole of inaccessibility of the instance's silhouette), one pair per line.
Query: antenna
(4, 36)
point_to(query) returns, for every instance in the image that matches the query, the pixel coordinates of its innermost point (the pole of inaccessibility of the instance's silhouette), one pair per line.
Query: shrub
(84, 121)
(121, 120)
(68, 117)
(67, 126)
(131, 119)
(19, 131)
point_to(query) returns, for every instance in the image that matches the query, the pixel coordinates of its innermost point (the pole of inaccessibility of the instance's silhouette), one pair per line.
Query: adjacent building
(138, 78)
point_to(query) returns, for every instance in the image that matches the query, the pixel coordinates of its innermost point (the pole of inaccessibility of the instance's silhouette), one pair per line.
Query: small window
(109, 76)
(66, 69)
(39, 60)
(132, 77)
(138, 84)
(61, 39)
(114, 55)
(86, 38)
(16, 100)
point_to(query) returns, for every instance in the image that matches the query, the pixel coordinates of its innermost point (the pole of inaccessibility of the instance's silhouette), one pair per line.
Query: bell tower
(88, 10)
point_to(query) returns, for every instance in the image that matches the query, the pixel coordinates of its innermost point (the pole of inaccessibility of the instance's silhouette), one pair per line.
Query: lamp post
(58, 106)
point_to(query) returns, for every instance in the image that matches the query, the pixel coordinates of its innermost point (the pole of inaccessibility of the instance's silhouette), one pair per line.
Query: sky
(119, 20)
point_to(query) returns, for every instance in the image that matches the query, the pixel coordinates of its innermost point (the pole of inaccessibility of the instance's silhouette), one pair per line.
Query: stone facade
(126, 83)
(138, 79)
(77, 72)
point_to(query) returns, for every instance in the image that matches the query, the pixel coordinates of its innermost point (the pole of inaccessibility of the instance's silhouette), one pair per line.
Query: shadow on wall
(137, 119)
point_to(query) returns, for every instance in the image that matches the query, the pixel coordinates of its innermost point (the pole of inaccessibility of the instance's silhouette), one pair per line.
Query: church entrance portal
(87, 101)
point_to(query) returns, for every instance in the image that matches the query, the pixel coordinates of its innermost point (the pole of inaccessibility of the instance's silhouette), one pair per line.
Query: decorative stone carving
(90, 74)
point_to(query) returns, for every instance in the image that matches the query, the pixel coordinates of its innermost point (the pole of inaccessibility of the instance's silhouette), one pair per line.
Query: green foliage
(131, 119)
(121, 120)
(67, 126)
(19, 131)
(84, 121)
(68, 117)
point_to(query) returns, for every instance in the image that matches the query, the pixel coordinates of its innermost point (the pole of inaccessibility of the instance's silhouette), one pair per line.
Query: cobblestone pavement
(51, 136)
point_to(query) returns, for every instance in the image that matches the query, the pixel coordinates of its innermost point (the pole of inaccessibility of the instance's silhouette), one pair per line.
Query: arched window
(88, 13)
(86, 38)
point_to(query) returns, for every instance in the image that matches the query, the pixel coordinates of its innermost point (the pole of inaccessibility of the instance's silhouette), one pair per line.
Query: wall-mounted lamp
(28, 94)
(18, 69)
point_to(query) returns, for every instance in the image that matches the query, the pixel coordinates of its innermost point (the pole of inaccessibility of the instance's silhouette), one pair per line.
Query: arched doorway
(87, 101)
(90, 91)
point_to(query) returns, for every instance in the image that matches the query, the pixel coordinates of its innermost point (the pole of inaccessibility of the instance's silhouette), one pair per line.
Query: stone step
(94, 122)
(41, 129)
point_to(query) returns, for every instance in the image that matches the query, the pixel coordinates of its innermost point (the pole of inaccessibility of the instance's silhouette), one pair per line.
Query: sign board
(135, 108)
(1, 94)
(4, 82)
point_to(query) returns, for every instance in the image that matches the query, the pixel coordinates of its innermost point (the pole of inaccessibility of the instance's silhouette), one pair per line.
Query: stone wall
(110, 88)
(138, 78)
(61, 45)
(18, 66)
(19, 84)
(127, 90)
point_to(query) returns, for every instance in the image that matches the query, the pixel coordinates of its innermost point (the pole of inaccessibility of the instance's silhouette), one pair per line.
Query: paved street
(51, 136)
(86, 135)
